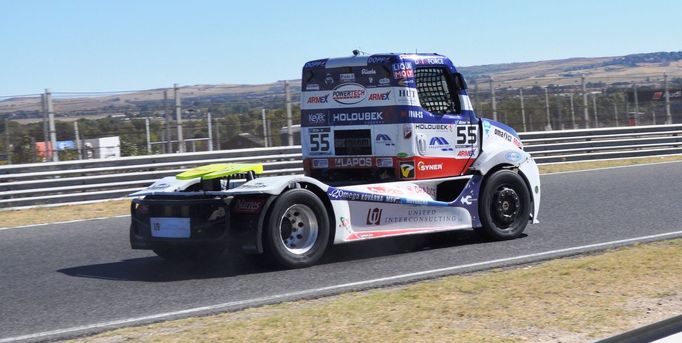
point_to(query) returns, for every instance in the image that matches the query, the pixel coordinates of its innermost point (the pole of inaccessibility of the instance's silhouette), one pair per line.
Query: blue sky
(107, 45)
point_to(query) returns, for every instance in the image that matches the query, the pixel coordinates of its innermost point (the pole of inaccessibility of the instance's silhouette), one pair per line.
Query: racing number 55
(467, 134)
(319, 142)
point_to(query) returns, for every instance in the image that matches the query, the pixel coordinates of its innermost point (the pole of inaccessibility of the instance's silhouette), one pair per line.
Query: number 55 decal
(467, 134)
(319, 142)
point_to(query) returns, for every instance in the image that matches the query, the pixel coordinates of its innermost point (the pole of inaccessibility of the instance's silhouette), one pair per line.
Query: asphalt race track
(68, 279)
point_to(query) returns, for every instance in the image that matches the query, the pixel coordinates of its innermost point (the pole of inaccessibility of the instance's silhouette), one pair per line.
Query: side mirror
(460, 83)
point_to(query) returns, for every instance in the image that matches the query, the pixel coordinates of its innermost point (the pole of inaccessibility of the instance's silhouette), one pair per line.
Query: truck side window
(435, 91)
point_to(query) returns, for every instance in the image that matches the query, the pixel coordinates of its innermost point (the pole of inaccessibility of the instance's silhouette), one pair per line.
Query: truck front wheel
(504, 206)
(297, 230)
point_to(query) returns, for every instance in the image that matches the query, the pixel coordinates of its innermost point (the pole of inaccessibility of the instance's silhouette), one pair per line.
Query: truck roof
(384, 58)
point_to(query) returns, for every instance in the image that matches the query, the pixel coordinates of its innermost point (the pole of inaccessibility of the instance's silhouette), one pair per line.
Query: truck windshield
(435, 92)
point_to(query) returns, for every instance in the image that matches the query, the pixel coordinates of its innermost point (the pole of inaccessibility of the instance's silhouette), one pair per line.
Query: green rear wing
(220, 170)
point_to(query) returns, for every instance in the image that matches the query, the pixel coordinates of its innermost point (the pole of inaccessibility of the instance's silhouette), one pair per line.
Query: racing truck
(391, 146)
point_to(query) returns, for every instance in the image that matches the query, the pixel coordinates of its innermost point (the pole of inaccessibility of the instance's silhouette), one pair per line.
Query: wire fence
(146, 122)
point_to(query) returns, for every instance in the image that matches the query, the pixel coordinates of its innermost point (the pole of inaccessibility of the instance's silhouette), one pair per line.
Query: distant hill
(642, 68)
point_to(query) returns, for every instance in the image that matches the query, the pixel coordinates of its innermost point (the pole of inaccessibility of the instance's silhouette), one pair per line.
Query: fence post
(549, 120)
(290, 132)
(178, 118)
(210, 132)
(492, 95)
(668, 116)
(587, 112)
(7, 141)
(523, 110)
(53, 131)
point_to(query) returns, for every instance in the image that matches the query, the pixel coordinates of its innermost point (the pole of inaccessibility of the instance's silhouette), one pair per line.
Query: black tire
(190, 254)
(504, 206)
(297, 230)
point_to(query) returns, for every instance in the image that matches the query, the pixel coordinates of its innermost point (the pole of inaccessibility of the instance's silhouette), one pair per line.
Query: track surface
(77, 274)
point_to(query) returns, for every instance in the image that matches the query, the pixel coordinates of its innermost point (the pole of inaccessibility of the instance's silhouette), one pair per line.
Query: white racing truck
(391, 146)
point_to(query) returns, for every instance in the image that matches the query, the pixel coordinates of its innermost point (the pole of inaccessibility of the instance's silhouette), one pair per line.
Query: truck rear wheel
(504, 206)
(297, 229)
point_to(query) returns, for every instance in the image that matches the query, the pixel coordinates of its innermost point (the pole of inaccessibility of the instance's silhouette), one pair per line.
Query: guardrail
(77, 181)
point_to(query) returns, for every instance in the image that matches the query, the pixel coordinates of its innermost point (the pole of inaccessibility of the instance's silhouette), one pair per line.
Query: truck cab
(386, 117)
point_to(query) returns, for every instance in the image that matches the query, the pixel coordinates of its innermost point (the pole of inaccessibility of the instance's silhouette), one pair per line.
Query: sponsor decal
(374, 60)
(158, 186)
(465, 153)
(253, 185)
(407, 131)
(317, 118)
(347, 77)
(340, 194)
(317, 99)
(379, 96)
(312, 87)
(350, 93)
(422, 216)
(430, 60)
(385, 190)
(248, 205)
(414, 189)
(440, 143)
(384, 163)
(319, 163)
(353, 162)
(407, 93)
(318, 129)
(438, 127)
(503, 134)
(429, 167)
(344, 223)
(407, 170)
(517, 142)
(315, 64)
(512, 156)
(368, 71)
(406, 82)
(336, 194)
(415, 114)
(467, 200)
(329, 80)
(384, 81)
(383, 138)
(357, 116)
(374, 216)
(402, 70)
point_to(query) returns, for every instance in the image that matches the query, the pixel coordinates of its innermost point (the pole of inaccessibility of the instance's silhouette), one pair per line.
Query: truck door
(453, 131)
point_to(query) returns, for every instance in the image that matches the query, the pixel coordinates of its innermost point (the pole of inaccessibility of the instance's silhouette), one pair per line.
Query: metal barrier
(77, 181)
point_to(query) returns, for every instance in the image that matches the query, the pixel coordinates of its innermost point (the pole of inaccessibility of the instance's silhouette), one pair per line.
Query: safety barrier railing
(88, 180)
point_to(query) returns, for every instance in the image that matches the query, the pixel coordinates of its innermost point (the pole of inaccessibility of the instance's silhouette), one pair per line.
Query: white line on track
(322, 290)
(64, 222)
(541, 175)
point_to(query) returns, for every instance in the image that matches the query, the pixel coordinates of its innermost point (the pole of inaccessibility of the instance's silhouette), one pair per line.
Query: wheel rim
(298, 229)
(506, 207)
